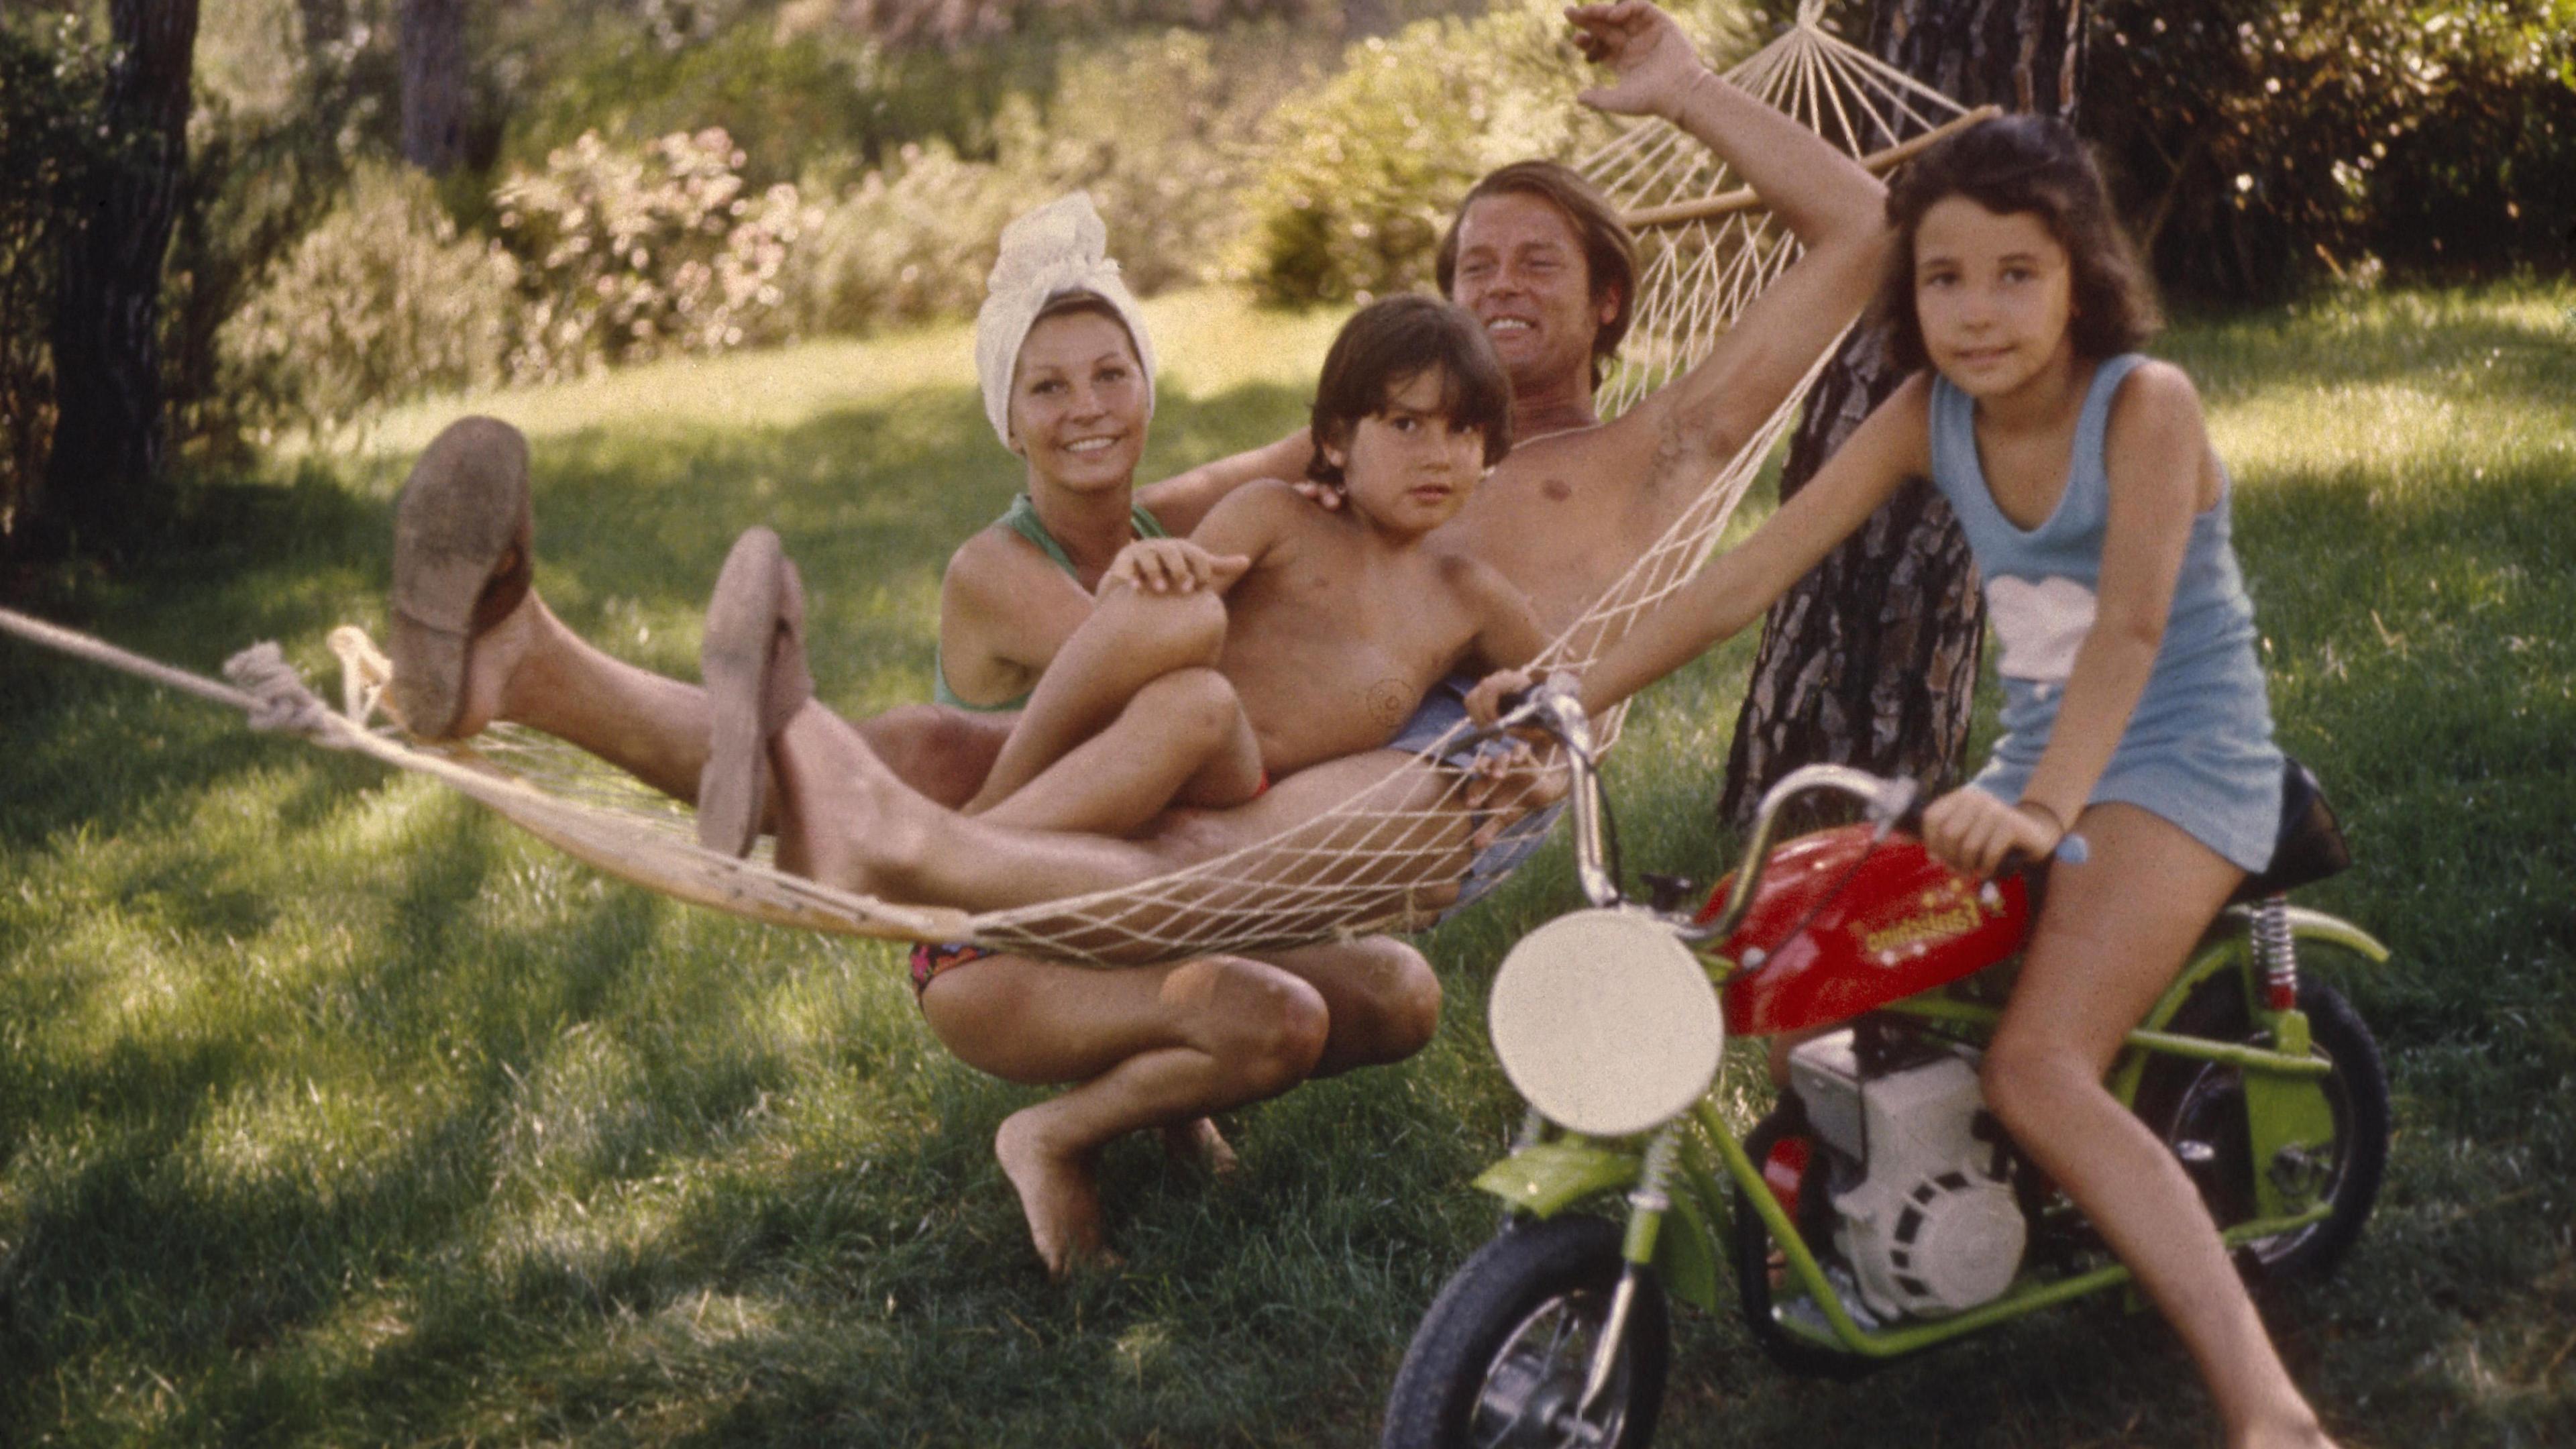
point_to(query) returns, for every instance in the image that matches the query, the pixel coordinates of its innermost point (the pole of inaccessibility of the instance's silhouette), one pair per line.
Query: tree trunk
(1871, 660)
(108, 441)
(433, 84)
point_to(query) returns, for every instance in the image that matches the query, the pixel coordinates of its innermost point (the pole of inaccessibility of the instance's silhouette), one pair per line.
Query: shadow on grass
(548, 1159)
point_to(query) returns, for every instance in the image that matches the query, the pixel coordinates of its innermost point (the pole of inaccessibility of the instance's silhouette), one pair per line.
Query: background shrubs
(873, 152)
(1358, 175)
(2262, 147)
(792, 106)
(1160, 129)
(384, 300)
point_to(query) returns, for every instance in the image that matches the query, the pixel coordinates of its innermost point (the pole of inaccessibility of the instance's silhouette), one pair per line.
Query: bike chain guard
(1605, 1022)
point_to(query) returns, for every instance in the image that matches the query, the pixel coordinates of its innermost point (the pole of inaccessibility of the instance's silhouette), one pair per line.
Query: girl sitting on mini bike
(2137, 741)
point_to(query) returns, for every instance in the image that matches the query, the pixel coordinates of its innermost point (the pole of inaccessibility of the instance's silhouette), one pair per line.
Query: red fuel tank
(1845, 926)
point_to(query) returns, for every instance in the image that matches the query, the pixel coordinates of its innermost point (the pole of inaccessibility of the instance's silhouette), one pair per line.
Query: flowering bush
(911, 241)
(631, 255)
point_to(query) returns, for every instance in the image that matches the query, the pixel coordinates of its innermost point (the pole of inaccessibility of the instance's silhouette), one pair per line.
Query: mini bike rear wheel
(2198, 1108)
(1501, 1358)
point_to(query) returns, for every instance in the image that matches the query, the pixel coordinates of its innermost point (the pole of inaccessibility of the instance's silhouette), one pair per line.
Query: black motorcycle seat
(2310, 845)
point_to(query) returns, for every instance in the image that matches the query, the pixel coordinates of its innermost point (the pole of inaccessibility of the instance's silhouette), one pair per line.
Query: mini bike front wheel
(1501, 1358)
(2198, 1108)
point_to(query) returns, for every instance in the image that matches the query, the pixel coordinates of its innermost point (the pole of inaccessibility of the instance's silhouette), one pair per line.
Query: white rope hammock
(1387, 858)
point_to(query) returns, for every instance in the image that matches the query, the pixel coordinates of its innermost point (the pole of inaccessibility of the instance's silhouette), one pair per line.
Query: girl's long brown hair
(2030, 164)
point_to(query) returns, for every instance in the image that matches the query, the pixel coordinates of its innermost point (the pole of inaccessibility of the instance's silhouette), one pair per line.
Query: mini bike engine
(1924, 1210)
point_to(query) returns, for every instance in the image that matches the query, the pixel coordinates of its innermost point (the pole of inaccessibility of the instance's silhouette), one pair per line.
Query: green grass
(333, 1111)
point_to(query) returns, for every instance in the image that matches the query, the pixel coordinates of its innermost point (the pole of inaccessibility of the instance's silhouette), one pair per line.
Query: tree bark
(1871, 660)
(433, 84)
(108, 432)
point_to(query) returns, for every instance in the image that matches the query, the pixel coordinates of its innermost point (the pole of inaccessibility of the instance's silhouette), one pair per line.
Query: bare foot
(1057, 1193)
(463, 540)
(492, 664)
(1197, 1143)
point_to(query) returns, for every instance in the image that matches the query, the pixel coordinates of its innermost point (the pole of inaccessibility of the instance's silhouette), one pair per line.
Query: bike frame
(1683, 1168)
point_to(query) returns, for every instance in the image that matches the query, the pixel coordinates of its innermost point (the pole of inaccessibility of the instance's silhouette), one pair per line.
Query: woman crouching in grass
(1066, 367)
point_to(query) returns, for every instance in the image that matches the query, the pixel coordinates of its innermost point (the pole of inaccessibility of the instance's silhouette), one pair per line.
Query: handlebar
(1554, 707)
(1891, 804)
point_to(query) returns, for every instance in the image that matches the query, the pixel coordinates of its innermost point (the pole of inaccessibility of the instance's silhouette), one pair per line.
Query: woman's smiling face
(1078, 403)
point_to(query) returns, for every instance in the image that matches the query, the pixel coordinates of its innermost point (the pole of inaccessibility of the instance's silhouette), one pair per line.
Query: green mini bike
(1879, 1209)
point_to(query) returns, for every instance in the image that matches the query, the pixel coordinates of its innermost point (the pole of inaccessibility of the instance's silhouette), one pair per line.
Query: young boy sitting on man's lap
(1333, 625)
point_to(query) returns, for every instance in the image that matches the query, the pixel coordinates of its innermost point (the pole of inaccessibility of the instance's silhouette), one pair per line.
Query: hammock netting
(1390, 857)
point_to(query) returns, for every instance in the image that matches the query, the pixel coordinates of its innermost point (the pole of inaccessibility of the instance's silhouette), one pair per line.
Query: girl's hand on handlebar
(1172, 566)
(1975, 833)
(1484, 702)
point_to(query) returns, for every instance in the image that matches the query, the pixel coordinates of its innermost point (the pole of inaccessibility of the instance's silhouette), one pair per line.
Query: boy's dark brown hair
(2030, 164)
(1387, 344)
(1609, 249)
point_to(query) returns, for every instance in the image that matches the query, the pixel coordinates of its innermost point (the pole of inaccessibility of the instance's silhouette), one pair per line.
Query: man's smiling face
(1522, 274)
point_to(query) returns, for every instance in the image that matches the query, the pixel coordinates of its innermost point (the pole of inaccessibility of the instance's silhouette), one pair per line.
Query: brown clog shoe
(463, 556)
(753, 662)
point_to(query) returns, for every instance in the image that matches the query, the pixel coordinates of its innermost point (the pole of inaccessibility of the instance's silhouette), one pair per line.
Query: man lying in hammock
(1541, 259)
(1538, 256)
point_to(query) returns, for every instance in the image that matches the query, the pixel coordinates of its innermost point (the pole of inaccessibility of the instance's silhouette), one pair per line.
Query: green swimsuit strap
(1022, 518)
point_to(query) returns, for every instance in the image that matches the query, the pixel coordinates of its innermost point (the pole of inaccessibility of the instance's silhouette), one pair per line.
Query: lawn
(335, 1112)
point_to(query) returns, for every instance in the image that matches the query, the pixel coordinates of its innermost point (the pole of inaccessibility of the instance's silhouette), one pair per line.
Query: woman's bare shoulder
(993, 559)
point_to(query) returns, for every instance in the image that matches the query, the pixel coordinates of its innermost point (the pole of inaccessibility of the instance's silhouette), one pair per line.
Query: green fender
(2284, 1110)
(2223, 949)
(1547, 1178)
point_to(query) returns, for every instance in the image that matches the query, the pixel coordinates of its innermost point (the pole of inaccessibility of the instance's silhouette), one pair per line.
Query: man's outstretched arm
(1822, 195)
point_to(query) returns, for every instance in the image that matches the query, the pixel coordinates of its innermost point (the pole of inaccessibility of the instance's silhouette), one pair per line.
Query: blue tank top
(1022, 518)
(2198, 749)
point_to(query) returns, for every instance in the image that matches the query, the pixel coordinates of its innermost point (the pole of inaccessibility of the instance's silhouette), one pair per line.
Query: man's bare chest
(1555, 539)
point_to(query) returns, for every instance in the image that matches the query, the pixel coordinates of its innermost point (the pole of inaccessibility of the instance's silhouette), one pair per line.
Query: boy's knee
(1177, 630)
(942, 753)
(1196, 707)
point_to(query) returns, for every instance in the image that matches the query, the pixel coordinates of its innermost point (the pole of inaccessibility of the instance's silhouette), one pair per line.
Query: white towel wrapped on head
(1061, 247)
